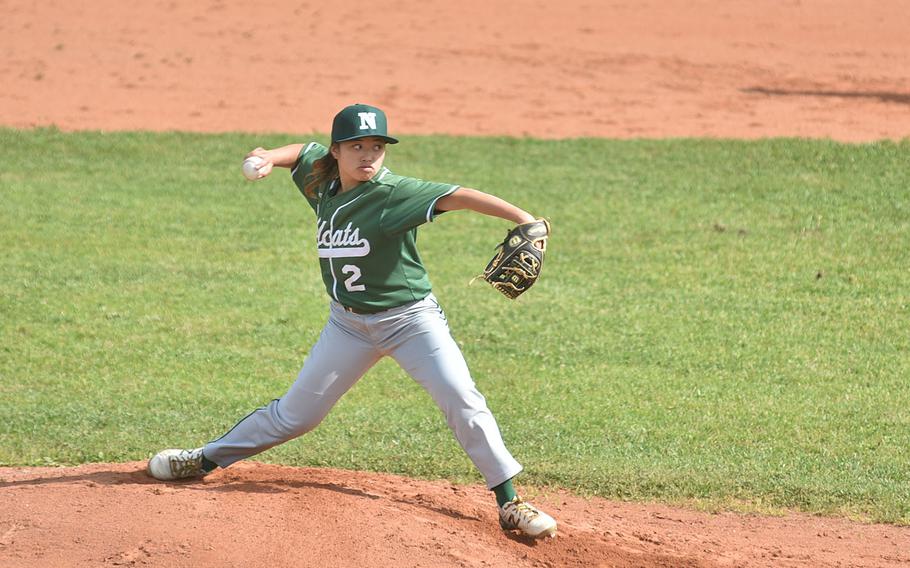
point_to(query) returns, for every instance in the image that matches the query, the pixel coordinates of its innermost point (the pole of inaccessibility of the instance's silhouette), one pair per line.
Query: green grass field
(721, 324)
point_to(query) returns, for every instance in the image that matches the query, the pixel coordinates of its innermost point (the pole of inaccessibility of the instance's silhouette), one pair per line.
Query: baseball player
(381, 305)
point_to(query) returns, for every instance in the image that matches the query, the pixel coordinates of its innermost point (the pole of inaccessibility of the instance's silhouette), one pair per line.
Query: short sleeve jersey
(366, 236)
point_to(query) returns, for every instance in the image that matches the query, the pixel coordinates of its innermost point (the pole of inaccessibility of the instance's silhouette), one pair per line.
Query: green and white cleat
(168, 465)
(522, 516)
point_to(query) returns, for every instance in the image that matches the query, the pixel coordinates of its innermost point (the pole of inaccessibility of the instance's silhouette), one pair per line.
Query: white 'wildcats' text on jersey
(366, 236)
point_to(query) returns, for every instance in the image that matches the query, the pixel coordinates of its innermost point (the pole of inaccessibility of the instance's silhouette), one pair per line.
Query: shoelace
(184, 464)
(522, 509)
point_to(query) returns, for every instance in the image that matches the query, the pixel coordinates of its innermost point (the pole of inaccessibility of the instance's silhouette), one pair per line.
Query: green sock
(504, 492)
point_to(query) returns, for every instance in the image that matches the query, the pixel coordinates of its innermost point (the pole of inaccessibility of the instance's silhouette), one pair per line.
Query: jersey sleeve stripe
(433, 204)
(302, 154)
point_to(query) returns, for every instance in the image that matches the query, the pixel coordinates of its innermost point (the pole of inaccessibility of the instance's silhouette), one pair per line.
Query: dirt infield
(644, 68)
(837, 69)
(265, 515)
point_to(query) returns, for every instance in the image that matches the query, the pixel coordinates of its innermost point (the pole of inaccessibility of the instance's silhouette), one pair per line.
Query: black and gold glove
(519, 258)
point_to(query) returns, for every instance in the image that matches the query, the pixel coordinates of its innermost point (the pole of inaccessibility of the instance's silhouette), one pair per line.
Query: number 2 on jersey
(354, 276)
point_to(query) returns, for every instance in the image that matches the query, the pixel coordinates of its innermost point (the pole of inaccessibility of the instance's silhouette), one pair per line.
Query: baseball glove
(519, 258)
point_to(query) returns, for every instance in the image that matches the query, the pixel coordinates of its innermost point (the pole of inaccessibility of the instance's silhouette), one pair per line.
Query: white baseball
(251, 167)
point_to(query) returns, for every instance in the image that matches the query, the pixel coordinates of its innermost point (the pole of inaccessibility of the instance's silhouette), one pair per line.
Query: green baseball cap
(360, 121)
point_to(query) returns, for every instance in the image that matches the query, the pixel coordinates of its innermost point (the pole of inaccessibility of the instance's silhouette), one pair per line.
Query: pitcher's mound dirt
(264, 515)
(742, 68)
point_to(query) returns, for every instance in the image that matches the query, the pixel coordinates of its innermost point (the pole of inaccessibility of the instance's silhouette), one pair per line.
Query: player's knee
(463, 405)
(467, 419)
(292, 425)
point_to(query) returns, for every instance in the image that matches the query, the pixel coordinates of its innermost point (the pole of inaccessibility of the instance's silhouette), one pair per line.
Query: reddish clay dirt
(627, 68)
(668, 68)
(265, 515)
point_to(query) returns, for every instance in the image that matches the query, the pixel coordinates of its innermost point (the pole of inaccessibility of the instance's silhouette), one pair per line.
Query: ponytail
(324, 170)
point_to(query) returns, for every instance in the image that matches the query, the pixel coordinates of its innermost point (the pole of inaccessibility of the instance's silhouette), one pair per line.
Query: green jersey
(366, 236)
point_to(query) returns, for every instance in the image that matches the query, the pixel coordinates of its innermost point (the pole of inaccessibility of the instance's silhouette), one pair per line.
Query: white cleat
(522, 516)
(168, 465)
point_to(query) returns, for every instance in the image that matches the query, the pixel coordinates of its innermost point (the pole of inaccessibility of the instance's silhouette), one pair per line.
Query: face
(359, 160)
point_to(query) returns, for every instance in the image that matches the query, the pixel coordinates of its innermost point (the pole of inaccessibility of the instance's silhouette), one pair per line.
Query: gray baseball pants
(417, 336)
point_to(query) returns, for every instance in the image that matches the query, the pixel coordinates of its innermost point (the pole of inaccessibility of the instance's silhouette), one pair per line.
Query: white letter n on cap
(367, 120)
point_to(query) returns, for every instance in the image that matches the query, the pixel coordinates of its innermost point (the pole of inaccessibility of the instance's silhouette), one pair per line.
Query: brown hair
(324, 169)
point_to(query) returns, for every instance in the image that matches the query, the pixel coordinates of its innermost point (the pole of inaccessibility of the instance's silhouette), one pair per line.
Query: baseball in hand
(251, 167)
